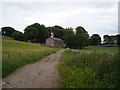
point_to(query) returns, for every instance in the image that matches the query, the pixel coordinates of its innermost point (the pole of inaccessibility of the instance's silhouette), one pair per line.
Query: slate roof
(58, 39)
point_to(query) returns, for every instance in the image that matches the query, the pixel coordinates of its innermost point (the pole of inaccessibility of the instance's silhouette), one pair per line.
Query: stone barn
(55, 42)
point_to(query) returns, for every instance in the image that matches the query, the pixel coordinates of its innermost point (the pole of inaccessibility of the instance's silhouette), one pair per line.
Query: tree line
(113, 39)
(39, 33)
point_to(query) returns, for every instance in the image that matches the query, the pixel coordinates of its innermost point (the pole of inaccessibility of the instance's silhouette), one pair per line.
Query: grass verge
(91, 70)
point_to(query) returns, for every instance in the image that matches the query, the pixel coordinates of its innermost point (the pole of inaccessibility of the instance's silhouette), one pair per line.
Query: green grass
(16, 54)
(88, 70)
(100, 49)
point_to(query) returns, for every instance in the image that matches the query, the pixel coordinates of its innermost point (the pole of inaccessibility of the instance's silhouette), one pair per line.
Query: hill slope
(16, 54)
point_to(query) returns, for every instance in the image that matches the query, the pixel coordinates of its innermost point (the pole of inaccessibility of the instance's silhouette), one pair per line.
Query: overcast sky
(96, 17)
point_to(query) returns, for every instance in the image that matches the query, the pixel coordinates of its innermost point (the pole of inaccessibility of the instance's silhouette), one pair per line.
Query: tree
(113, 39)
(66, 31)
(69, 38)
(78, 40)
(75, 41)
(107, 39)
(49, 29)
(7, 31)
(59, 31)
(95, 39)
(59, 27)
(18, 35)
(80, 30)
(36, 33)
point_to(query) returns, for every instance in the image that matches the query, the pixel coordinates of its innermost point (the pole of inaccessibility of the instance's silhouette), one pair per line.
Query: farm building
(55, 42)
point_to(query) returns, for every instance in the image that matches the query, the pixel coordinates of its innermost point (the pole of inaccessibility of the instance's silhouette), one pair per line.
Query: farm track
(41, 74)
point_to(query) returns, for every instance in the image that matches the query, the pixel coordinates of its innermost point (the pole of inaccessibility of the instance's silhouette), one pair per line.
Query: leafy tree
(18, 35)
(7, 31)
(57, 30)
(59, 27)
(107, 39)
(78, 40)
(36, 33)
(95, 39)
(75, 41)
(67, 31)
(69, 38)
(49, 29)
(113, 39)
(82, 31)
(43, 33)
(31, 33)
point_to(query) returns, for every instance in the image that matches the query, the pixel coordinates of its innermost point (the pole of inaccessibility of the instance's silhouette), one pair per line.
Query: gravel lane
(41, 74)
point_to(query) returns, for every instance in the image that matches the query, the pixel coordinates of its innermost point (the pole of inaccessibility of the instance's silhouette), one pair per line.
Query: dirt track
(41, 74)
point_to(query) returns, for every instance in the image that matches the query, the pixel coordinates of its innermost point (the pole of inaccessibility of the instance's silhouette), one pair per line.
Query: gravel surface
(41, 74)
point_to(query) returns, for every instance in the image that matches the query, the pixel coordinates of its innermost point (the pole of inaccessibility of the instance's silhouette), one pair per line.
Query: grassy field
(16, 54)
(89, 70)
(100, 49)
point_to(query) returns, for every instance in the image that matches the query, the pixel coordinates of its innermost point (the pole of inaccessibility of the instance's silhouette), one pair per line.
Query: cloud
(95, 17)
(59, 0)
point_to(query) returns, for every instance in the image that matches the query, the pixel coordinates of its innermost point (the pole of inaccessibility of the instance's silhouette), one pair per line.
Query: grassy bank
(16, 54)
(89, 70)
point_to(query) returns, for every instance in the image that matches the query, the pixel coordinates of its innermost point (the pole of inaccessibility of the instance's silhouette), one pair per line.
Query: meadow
(100, 49)
(90, 70)
(16, 54)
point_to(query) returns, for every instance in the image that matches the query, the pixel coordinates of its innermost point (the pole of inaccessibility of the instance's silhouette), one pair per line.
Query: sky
(97, 17)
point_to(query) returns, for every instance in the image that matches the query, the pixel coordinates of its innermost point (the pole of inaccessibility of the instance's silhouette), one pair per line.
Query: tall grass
(16, 54)
(91, 70)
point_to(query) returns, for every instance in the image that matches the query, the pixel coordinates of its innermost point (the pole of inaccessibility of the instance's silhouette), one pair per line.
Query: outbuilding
(55, 42)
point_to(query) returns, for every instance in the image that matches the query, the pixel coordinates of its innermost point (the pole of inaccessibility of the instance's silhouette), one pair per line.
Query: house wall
(59, 44)
(50, 42)
(54, 43)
